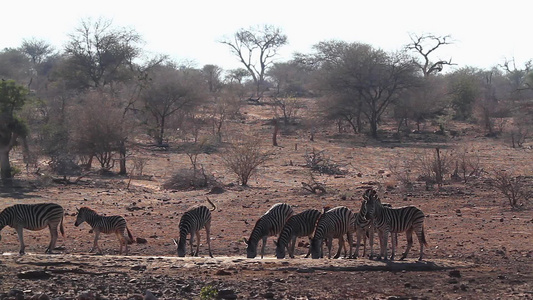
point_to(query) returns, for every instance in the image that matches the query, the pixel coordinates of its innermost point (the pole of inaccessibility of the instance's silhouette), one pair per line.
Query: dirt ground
(479, 247)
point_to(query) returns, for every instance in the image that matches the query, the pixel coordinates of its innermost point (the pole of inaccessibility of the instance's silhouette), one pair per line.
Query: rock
(40, 297)
(149, 296)
(34, 275)
(222, 272)
(226, 294)
(454, 273)
(140, 240)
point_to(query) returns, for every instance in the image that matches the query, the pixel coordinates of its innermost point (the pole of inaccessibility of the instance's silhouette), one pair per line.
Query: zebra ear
(175, 242)
(275, 242)
(245, 241)
(77, 209)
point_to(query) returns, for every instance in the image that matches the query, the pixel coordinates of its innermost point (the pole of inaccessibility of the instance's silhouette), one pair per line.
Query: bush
(188, 179)
(514, 188)
(317, 161)
(244, 157)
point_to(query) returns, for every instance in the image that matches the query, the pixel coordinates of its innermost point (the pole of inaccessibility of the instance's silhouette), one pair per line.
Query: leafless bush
(467, 165)
(401, 170)
(514, 188)
(317, 161)
(244, 157)
(138, 164)
(188, 179)
(313, 186)
(434, 166)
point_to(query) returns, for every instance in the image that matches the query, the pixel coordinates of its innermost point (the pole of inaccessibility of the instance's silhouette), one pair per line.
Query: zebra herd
(336, 223)
(320, 227)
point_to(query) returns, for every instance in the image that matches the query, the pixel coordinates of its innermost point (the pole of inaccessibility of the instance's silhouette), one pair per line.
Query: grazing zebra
(302, 224)
(269, 224)
(104, 224)
(395, 220)
(33, 217)
(191, 222)
(334, 223)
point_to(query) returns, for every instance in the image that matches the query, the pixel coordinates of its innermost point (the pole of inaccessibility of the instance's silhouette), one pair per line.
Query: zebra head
(81, 216)
(369, 201)
(280, 249)
(251, 250)
(181, 245)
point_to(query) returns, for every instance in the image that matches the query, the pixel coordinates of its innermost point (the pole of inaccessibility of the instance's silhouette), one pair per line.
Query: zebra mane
(91, 211)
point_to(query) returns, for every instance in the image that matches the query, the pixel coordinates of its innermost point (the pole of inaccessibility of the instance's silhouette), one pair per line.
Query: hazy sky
(485, 33)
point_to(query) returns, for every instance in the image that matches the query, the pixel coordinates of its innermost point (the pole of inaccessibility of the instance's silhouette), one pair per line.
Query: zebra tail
(212, 204)
(61, 229)
(130, 236)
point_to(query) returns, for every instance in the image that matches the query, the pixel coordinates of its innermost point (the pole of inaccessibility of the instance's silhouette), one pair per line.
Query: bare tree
(255, 48)
(425, 45)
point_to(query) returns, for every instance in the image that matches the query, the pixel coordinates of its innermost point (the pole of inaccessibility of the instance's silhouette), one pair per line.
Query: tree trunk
(161, 131)
(275, 134)
(122, 156)
(5, 166)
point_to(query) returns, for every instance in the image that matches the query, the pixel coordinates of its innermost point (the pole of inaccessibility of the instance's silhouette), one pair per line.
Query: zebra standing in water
(34, 217)
(334, 223)
(269, 224)
(104, 224)
(302, 224)
(395, 220)
(190, 223)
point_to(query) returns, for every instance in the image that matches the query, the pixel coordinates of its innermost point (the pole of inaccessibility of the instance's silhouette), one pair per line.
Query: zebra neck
(93, 219)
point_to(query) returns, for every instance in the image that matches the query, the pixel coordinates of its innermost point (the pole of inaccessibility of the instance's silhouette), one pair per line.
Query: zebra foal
(302, 224)
(190, 223)
(334, 223)
(104, 224)
(33, 217)
(269, 224)
(394, 220)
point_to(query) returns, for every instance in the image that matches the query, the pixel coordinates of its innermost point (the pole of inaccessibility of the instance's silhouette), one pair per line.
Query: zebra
(34, 217)
(302, 224)
(395, 220)
(364, 228)
(269, 224)
(190, 223)
(335, 223)
(104, 224)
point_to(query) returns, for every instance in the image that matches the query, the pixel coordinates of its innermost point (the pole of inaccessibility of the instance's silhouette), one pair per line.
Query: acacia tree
(12, 98)
(100, 54)
(363, 74)
(255, 48)
(171, 90)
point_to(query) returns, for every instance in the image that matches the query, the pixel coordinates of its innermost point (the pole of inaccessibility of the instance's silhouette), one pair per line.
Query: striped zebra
(364, 228)
(394, 220)
(104, 224)
(190, 223)
(269, 224)
(299, 225)
(34, 217)
(334, 223)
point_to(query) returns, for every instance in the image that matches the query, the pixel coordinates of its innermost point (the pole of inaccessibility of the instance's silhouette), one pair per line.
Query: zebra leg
(394, 242)
(191, 241)
(409, 236)
(208, 235)
(21, 240)
(309, 249)
(329, 244)
(197, 243)
(372, 241)
(350, 242)
(95, 244)
(384, 239)
(263, 246)
(53, 238)
(292, 245)
(358, 233)
(341, 246)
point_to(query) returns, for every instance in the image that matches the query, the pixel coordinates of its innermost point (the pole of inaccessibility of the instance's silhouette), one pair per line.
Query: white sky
(485, 32)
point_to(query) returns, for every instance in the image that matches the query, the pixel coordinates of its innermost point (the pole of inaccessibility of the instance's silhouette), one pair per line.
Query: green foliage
(12, 97)
(208, 292)
(464, 89)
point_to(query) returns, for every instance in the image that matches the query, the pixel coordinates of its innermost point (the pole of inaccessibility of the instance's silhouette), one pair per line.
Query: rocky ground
(479, 247)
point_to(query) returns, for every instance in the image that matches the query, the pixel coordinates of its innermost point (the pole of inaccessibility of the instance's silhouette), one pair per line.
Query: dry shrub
(401, 170)
(514, 188)
(188, 179)
(433, 166)
(317, 161)
(467, 165)
(244, 157)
